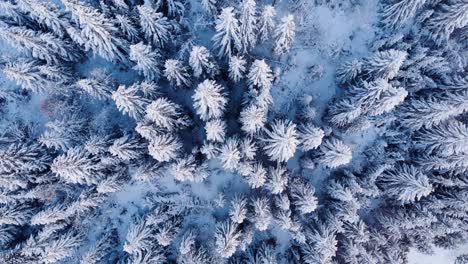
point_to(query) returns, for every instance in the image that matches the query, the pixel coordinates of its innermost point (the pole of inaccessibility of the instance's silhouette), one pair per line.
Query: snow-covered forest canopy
(233, 131)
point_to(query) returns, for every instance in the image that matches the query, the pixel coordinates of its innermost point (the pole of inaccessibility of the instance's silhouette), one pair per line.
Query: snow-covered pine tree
(202, 62)
(450, 137)
(146, 59)
(164, 147)
(166, 114)
(155, 25)
(103, 247)
(284, 35)
(281, 141)
(63, 133)
(15, 214)
(61, 247)
(260, 75)
(129, 101)
(344, 112)
(397, 13)
(22, 157)
(176, 73)
(209, 6)
(303, 197)
(238, 211)
(45, 14)
(446, 19)
(310, 136)
(43, 46)
(377, 97)
(209, 100)
(187, 243)
(248, 148)
(230, 154)
(95, 87)
(253, 118)
(277, 179)
(334, 153)
(349, 71)
(78, 166)
(127, 148)
(262, 213)
(405, 183)
(227, 239)
(167, 232)
(248, 24)
(97, 32)
(139, 238)
(227, 37)
(127, 26)
(384, 64)
(186, 169)
(236, 68)
(257, 177)
(266, 22)
(215, 130)
(432, 110)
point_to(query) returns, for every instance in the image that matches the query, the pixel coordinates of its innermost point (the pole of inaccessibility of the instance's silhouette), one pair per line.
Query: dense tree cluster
(157, 142)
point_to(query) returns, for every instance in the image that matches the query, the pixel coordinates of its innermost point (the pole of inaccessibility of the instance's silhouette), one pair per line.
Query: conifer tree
(303, 197)
(448, 138)
(78, 166)
(139, 237)
(164, 147)
(209, 6)
(260, 75)
(227, 37)
(186, 169)
(146, 59)
(127, 148)
(22, 157)
(262, 213)
(227, 239)
(266, 22)
(202, 62)
(349, 71)
(253, 118)
(238, 210)
(310, 137)
(209, 100)
(335, 153)
(97, 88)
(176, 73)
(257, 177)
(215, 130)
(127, 26)
(43, 46)
(281, 141)
(396, 14)
(129, 101)
(45, 13)
(449, 17)
(433, 110)
(248, 24)
(97, 33)
(284, 35)
(155, 26)
(406, 184)
(230, 154)
(236, 68)
(384, 64)
(61, 247)
(166, 114)
(277, 179)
